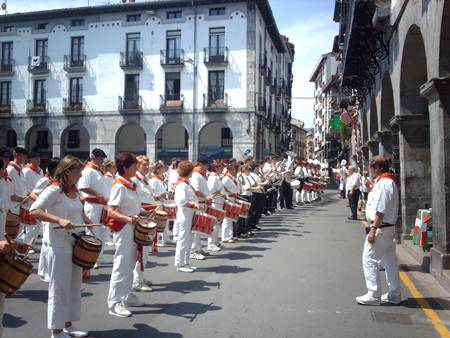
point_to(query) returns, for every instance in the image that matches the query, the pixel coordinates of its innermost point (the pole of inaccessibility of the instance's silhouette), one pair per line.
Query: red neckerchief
(158, 177)
(73, 189)
(36, 169)
(200, 170)
(94, 166)
(107, 174)
(15, 166)
(125, 183)
(388, 175)
(182, 180)
(141, 177)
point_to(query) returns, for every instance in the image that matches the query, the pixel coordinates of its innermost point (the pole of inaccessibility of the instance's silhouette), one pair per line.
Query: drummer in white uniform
(217, 192)
(187, 204)
(231, 189)
(381, 213)
(59, 204)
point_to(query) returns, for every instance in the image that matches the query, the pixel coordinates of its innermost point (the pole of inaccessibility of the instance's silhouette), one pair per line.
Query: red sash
(37, 170)
(94, 200)
(200, 170)
(26, 217)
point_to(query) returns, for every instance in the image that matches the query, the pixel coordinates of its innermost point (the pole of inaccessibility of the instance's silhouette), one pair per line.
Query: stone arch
(172, 140)
(413, 73)
(8, 137)
(373, 118)
(215, 140)
(75, 141)
(132, 138)
(387, 108)
(444, 50)
(39, 139)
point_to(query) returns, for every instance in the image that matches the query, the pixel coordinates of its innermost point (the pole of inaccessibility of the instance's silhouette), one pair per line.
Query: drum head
(161, 213)
(91, 240)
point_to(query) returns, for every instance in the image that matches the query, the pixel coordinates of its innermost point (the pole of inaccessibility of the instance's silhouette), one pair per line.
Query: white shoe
(385, 299)
(198, 256)
(31, 251)
(185, 269)
(120, 310)
(142, 288)
(213, 248)
(175, 239)
(75, 332)
(60, 335)
(161, 244)
(133, 300)
(109, 243)
(191, 267)
(44, 279)
(148, 282)
(368, 300)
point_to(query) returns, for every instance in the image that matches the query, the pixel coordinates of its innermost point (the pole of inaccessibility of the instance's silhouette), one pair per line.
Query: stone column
(385, 145)
(56, 150)
(373, 146)
(437, 91)
(151, 151)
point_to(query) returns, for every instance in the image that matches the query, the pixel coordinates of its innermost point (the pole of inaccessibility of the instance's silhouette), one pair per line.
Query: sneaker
(161, 244)
(31, 251)
(214, 248)
(75, 332)
(142, 288)
(185, 269)
(191, 267)
(119, 310)
(385, 299)
(60, 335)
(44, 279)
(205, 253)
(368, 300)
(197, 255)
(134, 301)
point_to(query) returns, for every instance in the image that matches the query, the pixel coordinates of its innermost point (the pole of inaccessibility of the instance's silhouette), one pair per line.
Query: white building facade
(166, 79)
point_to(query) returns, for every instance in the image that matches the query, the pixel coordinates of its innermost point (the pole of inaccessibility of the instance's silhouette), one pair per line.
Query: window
(11, 139)
(216, 41)
(226, 137)
(217, 11)
(76, 91)
(7, 50)
(7, 29)
(133, 17)
(172, 91)
(173, 45)
(77, 50)
(73, 139)
(5, 93)
(132, 87)
(133, 46)
(41, 49)
(43, 25)
(186, 139)
(215, 86)
(42, 139)
(77, 22)
(39, 92)
(174, 15)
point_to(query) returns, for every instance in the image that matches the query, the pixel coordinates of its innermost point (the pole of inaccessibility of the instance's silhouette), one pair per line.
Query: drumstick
(79, 226)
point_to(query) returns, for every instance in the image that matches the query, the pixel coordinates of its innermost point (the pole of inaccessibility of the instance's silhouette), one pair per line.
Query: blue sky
(308, 24)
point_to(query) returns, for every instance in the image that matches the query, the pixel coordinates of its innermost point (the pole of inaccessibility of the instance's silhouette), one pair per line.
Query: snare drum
(295, 184)
(144, 233)
(171, 209)
(14, 271)
(217, 213)
(86, 251)
(308, 186)
(12, 225)
(245, 208)
(161, 218)
(149, 207)
(232, 210)
(203, 223)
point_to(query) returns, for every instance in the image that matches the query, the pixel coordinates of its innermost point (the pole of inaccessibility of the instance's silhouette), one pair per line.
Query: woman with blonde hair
(60, 204)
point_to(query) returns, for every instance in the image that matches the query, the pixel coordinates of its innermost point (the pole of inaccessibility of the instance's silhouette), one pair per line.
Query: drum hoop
(15, 258)
(80, 262)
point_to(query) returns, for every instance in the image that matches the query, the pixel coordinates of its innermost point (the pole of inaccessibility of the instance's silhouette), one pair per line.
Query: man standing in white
(381, 213)
(92, 187)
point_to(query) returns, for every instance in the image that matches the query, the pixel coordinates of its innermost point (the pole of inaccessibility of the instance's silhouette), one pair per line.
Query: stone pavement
(297, 278)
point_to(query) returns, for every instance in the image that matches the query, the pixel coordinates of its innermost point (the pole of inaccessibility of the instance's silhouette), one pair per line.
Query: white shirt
(144, 190)
(158, 187)
(31, 177)
(173, 178)
(364, 187)
(18, 186)
(55, 202)
(353, 182)
(41, 185)
(267, 168)
(299, 172)
(184, 194)
(343, 172)
(93, 179)
(126, 200)
(384, 199)
(215, 186)
(108, 180)
(230, 185)
(199, 183)
(254, 180)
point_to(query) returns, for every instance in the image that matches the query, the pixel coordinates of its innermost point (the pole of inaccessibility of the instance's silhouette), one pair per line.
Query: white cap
(344, 162)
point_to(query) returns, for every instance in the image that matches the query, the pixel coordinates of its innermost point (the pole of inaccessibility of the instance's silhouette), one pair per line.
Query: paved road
(297, 278)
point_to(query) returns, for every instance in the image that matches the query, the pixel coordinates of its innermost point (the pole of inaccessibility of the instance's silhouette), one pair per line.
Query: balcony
(172, 59)
(216, 56)
(211, 105)
(133, 61)
(38, 65)
(268, 78)
(130, 105)
(7, 67)
(37, 109)
(171, 103)
(263, 64)
(74, 108)
(75, 63)
(5, 110)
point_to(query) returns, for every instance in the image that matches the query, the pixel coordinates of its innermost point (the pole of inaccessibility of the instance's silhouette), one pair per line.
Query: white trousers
(227, 229)
(28, 232)
(165, 236)
(185, 236)
(214, 238)
(382, 250)
(175, 228)
(2, 311)
(64, 295)
(94, 213)
(138, 274)
(124, 263)
(196, 241)
(43, 255)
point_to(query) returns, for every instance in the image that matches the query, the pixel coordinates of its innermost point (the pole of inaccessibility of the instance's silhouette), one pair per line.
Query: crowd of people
(108, 200)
